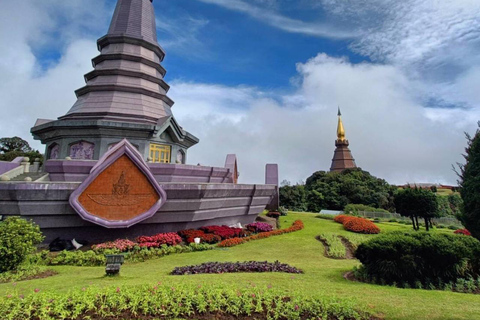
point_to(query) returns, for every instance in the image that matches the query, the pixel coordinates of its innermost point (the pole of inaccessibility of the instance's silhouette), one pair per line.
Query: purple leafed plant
(229, 267)
(259, 227)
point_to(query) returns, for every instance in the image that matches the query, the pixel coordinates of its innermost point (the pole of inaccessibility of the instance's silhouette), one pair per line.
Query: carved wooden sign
(120, 190)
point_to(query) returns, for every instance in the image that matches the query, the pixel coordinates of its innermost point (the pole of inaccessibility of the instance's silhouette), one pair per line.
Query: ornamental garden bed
(230, 267)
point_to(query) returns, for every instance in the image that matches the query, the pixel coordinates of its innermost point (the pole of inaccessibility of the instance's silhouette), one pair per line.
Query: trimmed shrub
(341, 218)
(419, 257)
(18, 238)
(361, 225)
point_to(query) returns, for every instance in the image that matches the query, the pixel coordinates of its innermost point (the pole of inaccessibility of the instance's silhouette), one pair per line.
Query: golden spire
(340, 130)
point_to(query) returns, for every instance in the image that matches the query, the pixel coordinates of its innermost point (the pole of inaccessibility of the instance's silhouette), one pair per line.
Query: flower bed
(257, 227)
(356, 224)
(170, 239)
(465, 232)
(341, 218)
(297, 225)
(230, 267)
(189, 236)
(122, 245)
(361, 225)
(224, 232)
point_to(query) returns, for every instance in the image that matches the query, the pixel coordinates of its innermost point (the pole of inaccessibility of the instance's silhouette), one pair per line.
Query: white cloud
(391, 134)
(30, 28)
(269, 16)
(182, 35)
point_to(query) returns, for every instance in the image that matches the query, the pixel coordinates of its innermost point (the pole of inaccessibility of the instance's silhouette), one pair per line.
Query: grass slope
(323, 276)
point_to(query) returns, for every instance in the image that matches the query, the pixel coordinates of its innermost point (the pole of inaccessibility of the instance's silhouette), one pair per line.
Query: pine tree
(470, 185)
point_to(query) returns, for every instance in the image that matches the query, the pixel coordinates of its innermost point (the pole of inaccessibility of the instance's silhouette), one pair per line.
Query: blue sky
(263, 78)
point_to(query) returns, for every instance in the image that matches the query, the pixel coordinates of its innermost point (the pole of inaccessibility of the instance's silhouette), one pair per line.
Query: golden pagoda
(342, 157)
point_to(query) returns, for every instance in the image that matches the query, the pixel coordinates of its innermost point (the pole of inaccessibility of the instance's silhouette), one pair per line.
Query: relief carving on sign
(120, 190)
(110, 197)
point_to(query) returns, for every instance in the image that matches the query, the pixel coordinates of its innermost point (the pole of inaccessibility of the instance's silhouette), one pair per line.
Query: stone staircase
(33, 175)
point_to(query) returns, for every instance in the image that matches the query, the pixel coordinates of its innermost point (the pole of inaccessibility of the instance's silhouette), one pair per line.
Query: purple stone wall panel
(271, 174)
(82, 150)
(271, 177)
(47, 204)
(7, 166)
(54, 152)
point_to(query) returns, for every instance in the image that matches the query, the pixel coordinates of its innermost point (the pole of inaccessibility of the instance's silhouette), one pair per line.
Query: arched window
(180, 156)
(82, 150)
(54, 151)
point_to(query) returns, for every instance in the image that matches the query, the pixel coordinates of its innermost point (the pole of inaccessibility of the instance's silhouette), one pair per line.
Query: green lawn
(323, 276)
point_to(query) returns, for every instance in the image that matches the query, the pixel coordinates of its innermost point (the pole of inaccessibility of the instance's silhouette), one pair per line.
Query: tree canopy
(470, 185)
(13, 147)
(417, 203)
(14, 144)
(334, 190)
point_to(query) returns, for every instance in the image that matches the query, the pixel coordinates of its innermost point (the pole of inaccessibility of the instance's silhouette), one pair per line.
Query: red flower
(463, 231)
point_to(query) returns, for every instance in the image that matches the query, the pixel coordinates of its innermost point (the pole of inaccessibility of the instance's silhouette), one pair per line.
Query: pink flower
(36, 290)
(9, 296)
(118, 289)
(253, 295)
(296, 307)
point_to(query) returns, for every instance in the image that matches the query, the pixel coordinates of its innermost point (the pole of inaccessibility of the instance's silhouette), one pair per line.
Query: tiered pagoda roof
(127, 81)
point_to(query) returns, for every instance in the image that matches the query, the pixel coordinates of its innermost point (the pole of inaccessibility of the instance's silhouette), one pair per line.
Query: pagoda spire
(340, 129)
(342, 157)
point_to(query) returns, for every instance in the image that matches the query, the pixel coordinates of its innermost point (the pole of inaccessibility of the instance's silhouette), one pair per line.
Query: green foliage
(18, 238)
(353, 209)
(23, 272)
(93, 258)
(32, 155)
(167, 301)
(334, 190)
(417, 203)
(326, 216)
(444, 208)
(293, 197)
(470, 185)
(283, 211)
(334, 246)
(14, 144)
(420, 256)
(356, 239)
(456, 204)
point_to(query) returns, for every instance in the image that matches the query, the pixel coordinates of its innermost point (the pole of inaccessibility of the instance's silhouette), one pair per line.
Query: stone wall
(187, 206)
